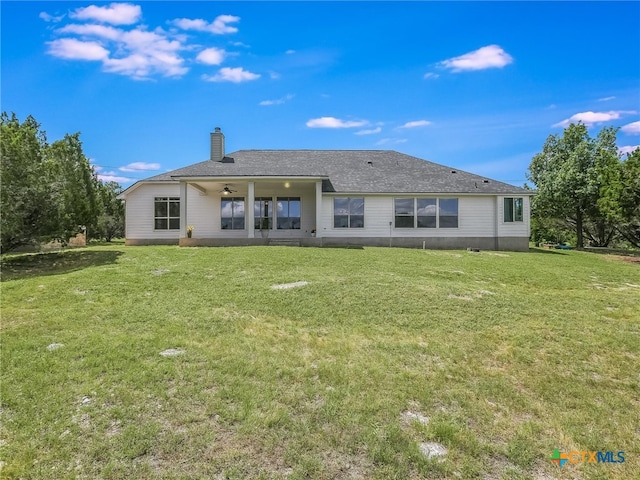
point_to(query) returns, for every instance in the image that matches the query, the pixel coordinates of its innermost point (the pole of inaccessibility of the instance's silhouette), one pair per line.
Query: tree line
(586, 191)
(51, 191)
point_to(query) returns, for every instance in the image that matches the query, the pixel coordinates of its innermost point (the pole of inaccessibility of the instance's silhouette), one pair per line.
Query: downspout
(496, 232)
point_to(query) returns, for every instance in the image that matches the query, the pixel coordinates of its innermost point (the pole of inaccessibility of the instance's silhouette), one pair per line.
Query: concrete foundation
(516, 244)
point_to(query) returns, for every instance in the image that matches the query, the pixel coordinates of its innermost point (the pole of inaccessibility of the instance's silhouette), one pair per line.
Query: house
(325, 198)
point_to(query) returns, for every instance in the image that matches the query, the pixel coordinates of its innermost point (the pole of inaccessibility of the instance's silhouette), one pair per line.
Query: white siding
(514, 229)
(140, 211)
(476, 218)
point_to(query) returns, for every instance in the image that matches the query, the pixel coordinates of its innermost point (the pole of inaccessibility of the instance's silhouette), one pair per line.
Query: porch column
(319, 208)
(183, 209)
(248, 210)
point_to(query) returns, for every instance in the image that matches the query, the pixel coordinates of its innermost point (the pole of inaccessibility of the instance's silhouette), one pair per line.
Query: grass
(509, 355)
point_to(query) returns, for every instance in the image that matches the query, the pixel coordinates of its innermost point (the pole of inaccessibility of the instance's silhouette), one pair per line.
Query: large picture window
(448, 213)
(288, 213)
(404, 212)
(426, 212)
(263, 213)
(513, 208)
(232, 213)
(166, 213)
(348, 212)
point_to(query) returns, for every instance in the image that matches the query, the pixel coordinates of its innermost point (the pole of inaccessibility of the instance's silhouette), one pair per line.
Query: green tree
(111, 222)
(621, 199)
(28, 207)
(48, 191)
(604, 175)
(75, 185)
(570, 175)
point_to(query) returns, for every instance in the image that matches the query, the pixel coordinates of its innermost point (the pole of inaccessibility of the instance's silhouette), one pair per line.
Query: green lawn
(508, 355)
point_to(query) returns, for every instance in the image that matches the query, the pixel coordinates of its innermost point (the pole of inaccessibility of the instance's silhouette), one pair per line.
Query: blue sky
(474, 85)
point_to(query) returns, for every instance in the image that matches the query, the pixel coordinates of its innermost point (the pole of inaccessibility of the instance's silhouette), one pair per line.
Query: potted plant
(313, 232)
(190, 230)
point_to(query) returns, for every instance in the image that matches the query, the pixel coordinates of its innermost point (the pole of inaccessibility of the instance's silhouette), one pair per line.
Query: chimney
(217, 145)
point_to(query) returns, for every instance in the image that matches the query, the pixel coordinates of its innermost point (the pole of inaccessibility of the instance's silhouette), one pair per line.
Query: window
(288, 213)
(166, 213)
(263, 213)
(348, 212)
(448, 213)
(426, 212)
(404, 212)
(513, 208)
(232, 213)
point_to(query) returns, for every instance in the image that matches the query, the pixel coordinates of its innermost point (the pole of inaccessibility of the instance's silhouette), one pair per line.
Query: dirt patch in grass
(634, 260)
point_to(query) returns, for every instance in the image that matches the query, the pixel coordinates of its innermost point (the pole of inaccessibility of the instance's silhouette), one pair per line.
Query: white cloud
(140, 167)
(50, 18)
(416, 124)
(211, 56)
(235, 75)
(606, 99)
(592, 118)
(140, 52)
(632, 128)
(279, 101)
(136, 53)
(115, 13)
(114, 178)
(189, 24)
(491, 56)
(369, 132)
(391, 141)
(72, 49)
(219, 26)
(332, 122)
(290, 52)
(432, 75)
(93, 30)
(628, 149)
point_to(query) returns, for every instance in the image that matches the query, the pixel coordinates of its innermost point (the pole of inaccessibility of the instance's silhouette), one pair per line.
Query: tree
(603, 176)
(111, 222)
(76, 186)
(50, 191)
(28, 207)
(571, 174)
(621, 199)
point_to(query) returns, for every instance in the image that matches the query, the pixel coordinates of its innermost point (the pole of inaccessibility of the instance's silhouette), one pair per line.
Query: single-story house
(325, 198)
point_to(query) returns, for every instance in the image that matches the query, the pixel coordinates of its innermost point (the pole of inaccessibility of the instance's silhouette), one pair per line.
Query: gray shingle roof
(348, 171)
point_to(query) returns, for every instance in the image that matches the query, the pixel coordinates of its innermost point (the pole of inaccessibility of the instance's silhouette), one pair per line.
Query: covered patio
(249, 211)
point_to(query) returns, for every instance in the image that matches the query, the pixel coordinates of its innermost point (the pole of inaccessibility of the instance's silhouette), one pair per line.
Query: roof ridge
(311, 150)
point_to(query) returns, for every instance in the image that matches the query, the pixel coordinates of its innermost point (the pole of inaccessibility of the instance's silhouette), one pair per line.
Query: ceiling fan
(227, 191)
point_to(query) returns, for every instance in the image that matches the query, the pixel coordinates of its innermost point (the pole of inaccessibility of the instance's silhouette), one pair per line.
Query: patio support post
(183, 209)
(319, 209)
(248, 210)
